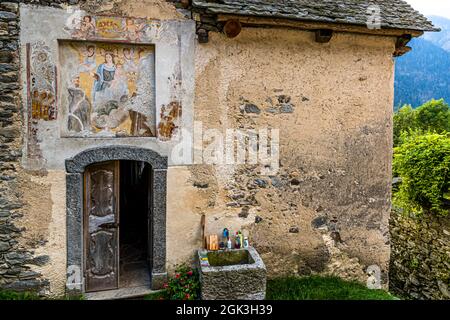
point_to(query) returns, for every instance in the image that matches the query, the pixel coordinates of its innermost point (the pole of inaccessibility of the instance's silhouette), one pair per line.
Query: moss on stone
(229, 258)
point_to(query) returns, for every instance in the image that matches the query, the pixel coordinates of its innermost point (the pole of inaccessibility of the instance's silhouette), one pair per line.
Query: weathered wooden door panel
(101, 226)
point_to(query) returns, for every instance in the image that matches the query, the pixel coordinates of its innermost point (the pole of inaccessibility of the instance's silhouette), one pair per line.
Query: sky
(432, 7)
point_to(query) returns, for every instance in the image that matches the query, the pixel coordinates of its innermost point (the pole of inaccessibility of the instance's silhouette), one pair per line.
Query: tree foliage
(432, 116)
(423, 163)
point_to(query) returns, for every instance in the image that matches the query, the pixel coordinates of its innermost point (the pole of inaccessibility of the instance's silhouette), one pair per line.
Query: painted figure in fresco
(86, 28)
(35, 105)
(79, 111)
(110, 93)
(110, 82)
(133, 32)
(44, 105)
(169, 117)
(49, 105)
(104, 78)
(128, 62)
(89, 63)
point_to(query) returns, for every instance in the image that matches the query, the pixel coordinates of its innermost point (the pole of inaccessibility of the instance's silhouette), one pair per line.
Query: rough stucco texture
(327, 209)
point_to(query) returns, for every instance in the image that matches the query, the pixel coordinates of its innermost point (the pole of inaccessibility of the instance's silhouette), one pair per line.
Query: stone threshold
(122, 293)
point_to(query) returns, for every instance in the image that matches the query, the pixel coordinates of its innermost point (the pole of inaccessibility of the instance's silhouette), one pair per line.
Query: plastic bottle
(246, 242)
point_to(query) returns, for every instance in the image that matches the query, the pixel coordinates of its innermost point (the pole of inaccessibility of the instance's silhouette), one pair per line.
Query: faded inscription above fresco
(108, 89)
(87, 27)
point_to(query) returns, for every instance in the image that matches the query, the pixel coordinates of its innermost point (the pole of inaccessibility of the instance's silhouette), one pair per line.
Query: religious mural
(42, 82)
(41, 94)
(86, 27)
(109, 88)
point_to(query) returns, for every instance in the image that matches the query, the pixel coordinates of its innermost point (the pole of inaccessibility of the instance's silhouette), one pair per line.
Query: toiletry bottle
(229, 243)
(246, 242)
(241, 239)
(225, 234)
(237, 241)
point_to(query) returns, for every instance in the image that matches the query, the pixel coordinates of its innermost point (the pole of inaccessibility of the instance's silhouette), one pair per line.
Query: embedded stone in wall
(419, 266)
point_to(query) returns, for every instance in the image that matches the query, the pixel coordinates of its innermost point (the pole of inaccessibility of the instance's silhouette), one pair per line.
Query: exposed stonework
(32, 202)
(420, 257)
(16, 255)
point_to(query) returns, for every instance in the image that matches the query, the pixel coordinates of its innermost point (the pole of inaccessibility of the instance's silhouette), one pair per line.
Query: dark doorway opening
(135, 199)
(93, 222)
(117, 223)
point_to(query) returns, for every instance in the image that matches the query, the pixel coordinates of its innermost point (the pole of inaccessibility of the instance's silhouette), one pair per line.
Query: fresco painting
(87, 27)
(42, 82)
(41, 95)
(170, 117)
(110, 89)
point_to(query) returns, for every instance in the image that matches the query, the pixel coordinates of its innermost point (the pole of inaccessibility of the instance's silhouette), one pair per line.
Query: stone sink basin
(238, 274)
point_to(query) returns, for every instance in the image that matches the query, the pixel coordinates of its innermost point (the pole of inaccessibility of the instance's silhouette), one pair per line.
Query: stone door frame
(75, 168)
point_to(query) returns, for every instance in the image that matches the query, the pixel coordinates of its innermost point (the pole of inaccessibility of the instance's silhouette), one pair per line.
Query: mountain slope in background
(424, 73)
(441, 39)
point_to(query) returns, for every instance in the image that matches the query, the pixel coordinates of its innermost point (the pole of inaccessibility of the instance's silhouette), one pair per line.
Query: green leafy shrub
(423, 163)
(432, 116)
(404, 121)
(185, 285)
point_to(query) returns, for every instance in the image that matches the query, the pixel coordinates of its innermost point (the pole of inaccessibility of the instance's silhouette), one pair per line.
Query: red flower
(190, 273)
(187, 296)
(177, 276)
(165, 285)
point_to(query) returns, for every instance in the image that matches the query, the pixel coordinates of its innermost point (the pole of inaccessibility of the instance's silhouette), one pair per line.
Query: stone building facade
(97, 90)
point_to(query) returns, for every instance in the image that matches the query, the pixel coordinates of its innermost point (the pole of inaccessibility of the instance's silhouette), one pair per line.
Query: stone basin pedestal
(238, 274)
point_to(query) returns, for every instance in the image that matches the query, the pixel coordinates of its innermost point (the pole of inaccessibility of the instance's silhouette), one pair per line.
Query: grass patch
(321, 288)
(10, 295)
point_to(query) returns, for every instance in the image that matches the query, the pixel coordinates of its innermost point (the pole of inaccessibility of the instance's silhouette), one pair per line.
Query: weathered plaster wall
(32, 205)
(45, 222)
(327, 209)
(44, 144)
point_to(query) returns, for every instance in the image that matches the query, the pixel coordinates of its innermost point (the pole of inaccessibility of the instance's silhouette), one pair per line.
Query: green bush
(404, 121)
(432, 116)
(423, 163)
(185, 285)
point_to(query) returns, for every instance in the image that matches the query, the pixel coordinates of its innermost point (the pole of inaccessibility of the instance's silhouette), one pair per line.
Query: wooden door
(101, 226)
